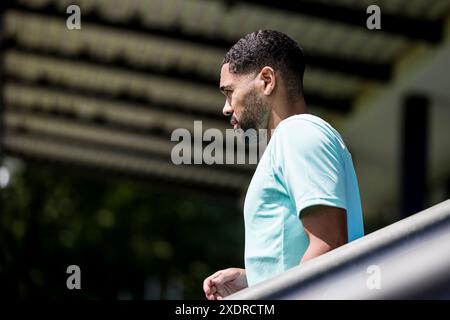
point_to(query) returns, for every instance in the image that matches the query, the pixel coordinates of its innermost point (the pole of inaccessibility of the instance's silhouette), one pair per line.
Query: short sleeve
(308, 162)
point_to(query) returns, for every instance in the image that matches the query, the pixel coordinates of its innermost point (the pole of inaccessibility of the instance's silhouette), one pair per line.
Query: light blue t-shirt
(305, 163)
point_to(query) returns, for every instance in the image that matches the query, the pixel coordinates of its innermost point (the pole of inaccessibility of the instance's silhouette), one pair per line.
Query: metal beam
(2, 78)
(338, 104)
(119, 114)
(67, 151)
(413, 28)
(89, 135)
(126, 98)
(363, 69)
(200, 191)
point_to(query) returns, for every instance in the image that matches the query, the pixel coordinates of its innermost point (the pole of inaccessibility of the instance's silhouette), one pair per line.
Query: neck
(284, 109)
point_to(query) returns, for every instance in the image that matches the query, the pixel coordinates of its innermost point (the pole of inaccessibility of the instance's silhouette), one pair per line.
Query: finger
(213, 289)
(215, 275)
(218, 296)
(207, 280)
(222, 291)
(207, 286)
(207, 283)
(221, 279)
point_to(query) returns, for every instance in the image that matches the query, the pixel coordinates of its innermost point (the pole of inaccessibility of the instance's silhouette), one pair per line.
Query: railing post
(414, 154)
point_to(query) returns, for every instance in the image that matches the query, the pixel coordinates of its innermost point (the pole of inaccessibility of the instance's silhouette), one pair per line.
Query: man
(303, 200)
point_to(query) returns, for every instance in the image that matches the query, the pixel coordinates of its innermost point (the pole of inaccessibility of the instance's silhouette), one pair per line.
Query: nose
(227, 109)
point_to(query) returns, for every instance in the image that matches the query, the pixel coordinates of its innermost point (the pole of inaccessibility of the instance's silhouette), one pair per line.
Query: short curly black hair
(269, 48)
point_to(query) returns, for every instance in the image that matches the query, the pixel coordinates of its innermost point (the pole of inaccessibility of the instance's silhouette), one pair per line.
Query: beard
(255, 114)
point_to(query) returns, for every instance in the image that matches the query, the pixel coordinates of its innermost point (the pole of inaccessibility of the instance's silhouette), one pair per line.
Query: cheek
(239, 103)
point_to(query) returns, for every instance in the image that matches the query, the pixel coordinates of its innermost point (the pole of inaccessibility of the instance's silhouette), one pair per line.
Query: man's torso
(289, 178)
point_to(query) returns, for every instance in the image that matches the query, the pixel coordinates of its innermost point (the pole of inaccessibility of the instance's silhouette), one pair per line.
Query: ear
(268, 77)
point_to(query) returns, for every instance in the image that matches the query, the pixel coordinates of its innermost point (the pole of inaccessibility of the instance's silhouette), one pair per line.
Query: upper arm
(325, 226)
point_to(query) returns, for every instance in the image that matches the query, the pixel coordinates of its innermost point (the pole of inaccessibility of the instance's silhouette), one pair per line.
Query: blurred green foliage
(122, 234)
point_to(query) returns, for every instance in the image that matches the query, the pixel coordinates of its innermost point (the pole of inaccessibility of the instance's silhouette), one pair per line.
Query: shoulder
(305, 131)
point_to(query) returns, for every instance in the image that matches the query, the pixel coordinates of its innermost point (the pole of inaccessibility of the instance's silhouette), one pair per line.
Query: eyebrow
(226, 87)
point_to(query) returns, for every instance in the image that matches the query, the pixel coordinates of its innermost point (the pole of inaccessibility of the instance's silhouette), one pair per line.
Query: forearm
(314, 250)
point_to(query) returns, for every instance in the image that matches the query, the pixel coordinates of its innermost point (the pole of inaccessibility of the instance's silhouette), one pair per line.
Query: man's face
(247, 107)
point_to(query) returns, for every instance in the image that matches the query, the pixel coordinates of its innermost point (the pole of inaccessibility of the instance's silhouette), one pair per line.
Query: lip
(234, 123)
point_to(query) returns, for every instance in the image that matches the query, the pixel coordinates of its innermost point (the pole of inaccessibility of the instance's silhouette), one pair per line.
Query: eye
(228, 95)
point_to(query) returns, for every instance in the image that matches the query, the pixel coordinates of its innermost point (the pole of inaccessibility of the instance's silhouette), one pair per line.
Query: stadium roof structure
(109, 95)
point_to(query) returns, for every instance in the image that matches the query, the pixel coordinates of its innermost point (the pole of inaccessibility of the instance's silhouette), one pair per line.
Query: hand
(224, 282)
